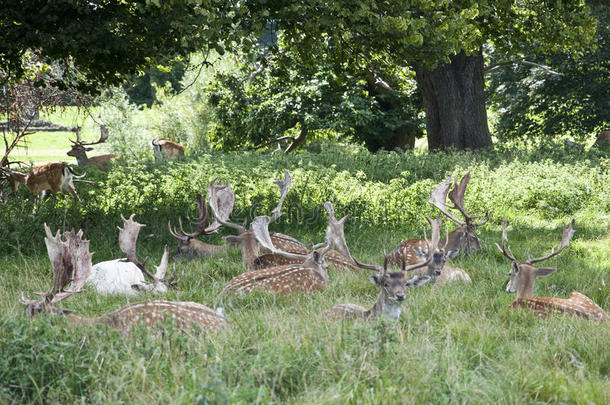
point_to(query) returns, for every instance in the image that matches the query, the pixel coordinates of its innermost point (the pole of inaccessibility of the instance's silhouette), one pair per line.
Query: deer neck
(199, 248)
(81, 158)
(384, 307)
(525, 284)
(77, 319)
(249, 249)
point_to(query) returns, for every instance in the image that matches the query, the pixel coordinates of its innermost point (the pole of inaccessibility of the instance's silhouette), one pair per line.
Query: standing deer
(463, 239)
(57, 177)
(71, 263)
(392, 293)
(166, 149)
(309, 275)
(126, 276)
(79, 151)
(522, 277)
(13, 177)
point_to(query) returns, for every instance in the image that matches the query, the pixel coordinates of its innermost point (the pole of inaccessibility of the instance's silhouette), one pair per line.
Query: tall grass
(454, 344)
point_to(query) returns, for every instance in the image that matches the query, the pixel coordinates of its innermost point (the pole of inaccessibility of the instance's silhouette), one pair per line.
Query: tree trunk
(455, 103)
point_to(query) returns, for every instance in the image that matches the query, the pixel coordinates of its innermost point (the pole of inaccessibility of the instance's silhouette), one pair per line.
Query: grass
(457, 344)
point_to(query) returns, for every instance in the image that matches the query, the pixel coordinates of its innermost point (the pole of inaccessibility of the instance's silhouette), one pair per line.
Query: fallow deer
(189, 247)
(126, 276)
(71, 263)
(222, 199)
(57, 177)
(14, 178)
(523, 274)
(309, 275)
(463, 239)
(392, 293)
(79, 151)
(166, 149)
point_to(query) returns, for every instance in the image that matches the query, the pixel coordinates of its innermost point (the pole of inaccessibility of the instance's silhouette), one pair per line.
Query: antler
(71, 263)
(202, 222)
(565, 241)
(103, 137)
(284, 186)
(222, 200)
(128, 236)
(438, 198)
(260, 227)
(335, 232)
(505, 249)
(435, 237)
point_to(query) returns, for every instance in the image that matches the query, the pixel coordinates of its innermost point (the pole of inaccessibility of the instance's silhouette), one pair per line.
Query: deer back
(345, 311)
(333, 258)
(167, 148)
(577, 304)
(451, 274)
(45, 177)
(288, 279)
(404, 252)
(149, 313)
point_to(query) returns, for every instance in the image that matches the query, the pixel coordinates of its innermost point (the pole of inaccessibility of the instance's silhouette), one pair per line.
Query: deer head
(128, 236)
(79, 148)
(523, 274)
(435, 255)
(393, 285)
(464, 238)
(71, 263)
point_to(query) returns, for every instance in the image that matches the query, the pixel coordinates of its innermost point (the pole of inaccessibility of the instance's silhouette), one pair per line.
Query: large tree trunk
(455, 103)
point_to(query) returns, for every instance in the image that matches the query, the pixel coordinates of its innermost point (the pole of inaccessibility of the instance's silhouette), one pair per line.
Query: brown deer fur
(57, 177)
(166, 149)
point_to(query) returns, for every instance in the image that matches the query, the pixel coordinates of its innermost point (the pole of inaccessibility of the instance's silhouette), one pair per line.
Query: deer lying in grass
(310, 274)
(71, 263)
(126, 276)
(436, 257)
(463, 239)
(392, 293)
(166, 149)
(58, 177)
(79, 151)
(522, 277)
(340, 259)
(189, 247)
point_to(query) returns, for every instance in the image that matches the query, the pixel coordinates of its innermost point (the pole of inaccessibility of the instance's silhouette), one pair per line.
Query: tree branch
(520, 61)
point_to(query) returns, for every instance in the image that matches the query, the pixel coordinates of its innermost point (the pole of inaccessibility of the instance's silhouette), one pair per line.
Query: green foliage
(141, 88)
(536, 105)
(387, 189)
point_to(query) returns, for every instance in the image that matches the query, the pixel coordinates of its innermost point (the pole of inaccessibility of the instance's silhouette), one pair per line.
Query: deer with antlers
(392, 293)
(463, 239)
(71, 263)
(310, 274)
(166, 149)
(79, 151)
(126, 276)
(523, 274)
(189, 247)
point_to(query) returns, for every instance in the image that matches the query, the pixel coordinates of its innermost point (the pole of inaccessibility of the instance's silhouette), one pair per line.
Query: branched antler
(505, 249)
(222, 200)
(438, 198)
(202, 223)
(568, 232)
(284, 186)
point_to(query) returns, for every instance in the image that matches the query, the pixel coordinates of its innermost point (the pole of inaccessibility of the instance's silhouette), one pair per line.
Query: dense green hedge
(388, 189)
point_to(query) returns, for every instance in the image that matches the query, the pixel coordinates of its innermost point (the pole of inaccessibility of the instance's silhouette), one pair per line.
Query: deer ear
(375, 279)
(545, 271)
(420, 253)
(452, 254)
(416, 281)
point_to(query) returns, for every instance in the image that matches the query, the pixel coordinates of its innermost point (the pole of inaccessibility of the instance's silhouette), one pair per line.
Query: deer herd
(281, 264)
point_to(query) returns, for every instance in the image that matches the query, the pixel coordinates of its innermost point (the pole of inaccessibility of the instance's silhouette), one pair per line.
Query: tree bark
(454, 102)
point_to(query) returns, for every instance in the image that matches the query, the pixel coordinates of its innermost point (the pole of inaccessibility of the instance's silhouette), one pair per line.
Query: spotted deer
(166, 149)
(71, 264)
(309, 275)
(463, 239)
(14, 178)
(127, 276)
(58, 177)
(222, 199)
(523, 274)
(392, 293)
(79, 151)
(189, 247)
